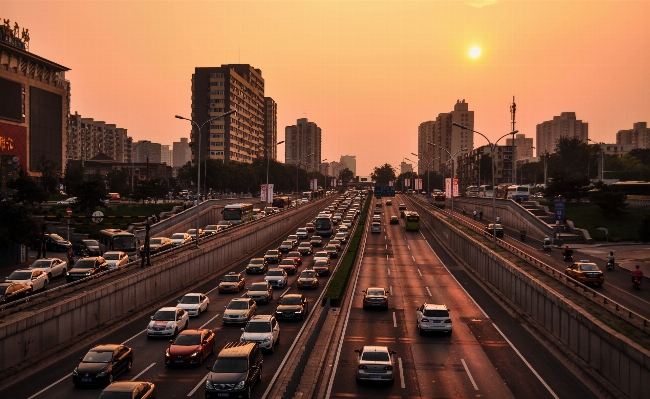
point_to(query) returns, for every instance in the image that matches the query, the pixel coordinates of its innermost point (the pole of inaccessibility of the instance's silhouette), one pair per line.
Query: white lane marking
(386, 257)
(428, 291)
(401, 373)
(198, 385)
(394, 320)
(143, 371)
(212, 290)
(389, 271)
(419, 272)
(207, 322)
(285, 291)
(391, 289)
(386, 246)
(133, 337)
(408, 246)
(527, 364)
(413, 257)
(469, 374)
(50, 386)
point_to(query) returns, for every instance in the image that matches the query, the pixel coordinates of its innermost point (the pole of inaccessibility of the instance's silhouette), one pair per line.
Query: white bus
(238, 213)
(117, 240)
(485, 191)
(518, 193)
(324, 225)
(472, 191)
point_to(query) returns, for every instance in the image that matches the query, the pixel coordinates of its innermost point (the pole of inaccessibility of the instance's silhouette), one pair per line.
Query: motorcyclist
(463, 211)
(611, 259)
(498, 219)
(70, 257)
(637, 273)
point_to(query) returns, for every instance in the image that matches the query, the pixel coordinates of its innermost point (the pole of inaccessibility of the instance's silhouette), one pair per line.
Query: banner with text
(269, 193)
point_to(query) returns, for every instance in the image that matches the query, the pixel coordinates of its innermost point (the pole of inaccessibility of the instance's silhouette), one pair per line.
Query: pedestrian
(463, 211)
(474, 213)
(480, 215)
(498, 219)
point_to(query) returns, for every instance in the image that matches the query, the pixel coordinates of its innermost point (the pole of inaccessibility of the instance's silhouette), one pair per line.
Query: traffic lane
(549, 368)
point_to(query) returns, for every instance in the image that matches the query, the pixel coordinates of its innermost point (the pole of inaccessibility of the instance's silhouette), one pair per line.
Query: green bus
(238, 213)
(412, 221)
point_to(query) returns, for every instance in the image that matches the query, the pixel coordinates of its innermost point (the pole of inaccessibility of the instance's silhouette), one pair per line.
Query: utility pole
(513, 111)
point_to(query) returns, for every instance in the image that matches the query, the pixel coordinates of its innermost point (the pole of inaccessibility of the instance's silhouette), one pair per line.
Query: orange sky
(367, 72)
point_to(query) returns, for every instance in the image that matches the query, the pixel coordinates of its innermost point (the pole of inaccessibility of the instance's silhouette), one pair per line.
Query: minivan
(237, 368)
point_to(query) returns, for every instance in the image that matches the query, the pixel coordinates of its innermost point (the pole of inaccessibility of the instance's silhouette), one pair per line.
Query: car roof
(190, 331)
(239, 300)
(260, 318)
(168, 308)
(373, 348)
(105, 347)
(122, 386)
(193, 294)
(293, 296)
(437, 306)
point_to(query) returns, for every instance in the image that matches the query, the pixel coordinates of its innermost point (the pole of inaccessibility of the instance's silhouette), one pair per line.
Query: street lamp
(429, 163)
(198, 162)
(602, 165)
(451, 174)
(268, 161)
(494, 191)
(298, 168)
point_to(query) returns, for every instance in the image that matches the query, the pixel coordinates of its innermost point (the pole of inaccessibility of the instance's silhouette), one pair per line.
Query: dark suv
(86, 267)
(237, 368)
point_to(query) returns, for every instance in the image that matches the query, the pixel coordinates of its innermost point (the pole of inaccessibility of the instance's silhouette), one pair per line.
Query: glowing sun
(475, 52)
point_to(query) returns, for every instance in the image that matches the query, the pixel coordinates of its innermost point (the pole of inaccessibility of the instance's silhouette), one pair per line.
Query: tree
(567, 185)
(642, 154)
(611, 202)
(17, 227)
(383, 175)
(119, 181)
(74, 177)
(26, 190)
(644, 229)
(49, 174)
(91, 194)
(346, 175)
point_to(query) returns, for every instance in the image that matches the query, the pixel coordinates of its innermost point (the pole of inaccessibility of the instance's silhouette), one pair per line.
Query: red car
(290, 265)
(295, 254)
(190, 347)
(310, 227)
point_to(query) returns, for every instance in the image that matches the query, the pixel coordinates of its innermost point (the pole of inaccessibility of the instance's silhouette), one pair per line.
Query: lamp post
(268, 162)
(451, 174)
(602, 165)
(492, 147)
(298, 168)
(428, 167)
(198, 162)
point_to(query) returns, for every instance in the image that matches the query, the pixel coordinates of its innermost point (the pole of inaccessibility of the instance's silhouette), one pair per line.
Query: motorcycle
(610, 265)
(546, 245)
(636, 282)
(567, 256)
(70, 258)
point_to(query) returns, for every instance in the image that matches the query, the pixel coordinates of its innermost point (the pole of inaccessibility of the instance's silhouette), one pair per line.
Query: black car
(316, 241)
(54, 242)
(13, 291)
(237, 368)
(86, 267)
(102, 364)
(86, 248)
(331, 250)
(158, 244)
(273, 256)
(494, 228)
(257, 266)
(286, 246)
(291, 307)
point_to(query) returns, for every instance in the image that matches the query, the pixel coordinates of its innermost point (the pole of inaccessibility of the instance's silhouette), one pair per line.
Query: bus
(485, 191)
(472, 191)
(324, 225)
(281, 202)
(117, 240)
(502, 191)
(439, 200)
(412, 221)
(518, 193)
(238, 213)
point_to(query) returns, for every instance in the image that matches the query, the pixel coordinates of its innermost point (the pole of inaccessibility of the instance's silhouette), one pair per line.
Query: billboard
(12, 104)
(45, 127)
(13, 152)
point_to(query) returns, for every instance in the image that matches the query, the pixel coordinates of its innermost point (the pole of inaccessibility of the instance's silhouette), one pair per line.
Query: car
(336, 243)
(308, 279)
(158, 244)
(394, 220)
(86, 267)
(180, 239)
(53, 267)
(321, 255)
(311, 227)
(289, 265)
(190, 347)
(401, 207)
(262, 329)
(305, 248)
(168, 321)
(239, 310)
(389, 202)
(586, 272)
(295, 254)
(376, 219)
(237, 368)
(433, 317)
(260, 292)
(344, 229)
(211, 229)
(129, 389)
(56, 243)
(316, 241)
(302, 233)
(225, 224)
(292, 307)
(258, 214)
(377, 211)
(257, 266)
(86, 248)
(321, 267)
(347, 222)
(68, 201)
(231, 282)
(194, 303)
(331, 250)
(35, 278)
(116, 259)
(342, 237)
(375, 363)
(192, 233)
(102, 364)
(293, 238)
(273, 256)
(375, 227)
(286, 246)
(375, 297)
(276, 277)
(10, 291)
(494, 227)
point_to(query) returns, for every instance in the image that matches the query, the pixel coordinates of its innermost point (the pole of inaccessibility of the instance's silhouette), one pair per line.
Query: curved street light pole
(198, 162)
(451, 157)
(268, 162)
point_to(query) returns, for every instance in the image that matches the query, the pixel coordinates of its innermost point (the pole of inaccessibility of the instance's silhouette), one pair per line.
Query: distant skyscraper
(146, 151)
(270, 128)
(565, 125)
(425, 151)
(302, 139)
(405, 168)
(181, 152)
(638, 136)
(350, 162)
(523, 146)
(165, 155)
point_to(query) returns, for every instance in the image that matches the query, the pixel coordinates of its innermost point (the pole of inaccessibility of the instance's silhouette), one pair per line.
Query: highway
(488, 355)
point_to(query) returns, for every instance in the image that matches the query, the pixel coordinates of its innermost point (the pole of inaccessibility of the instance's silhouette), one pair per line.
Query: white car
(168, 322)
(375, 363)
(433, 317)
(239, 310)
(35, 278)
(375, 227)
(194, 303)
(302, 233)
(376, 219)
(68, 201)
(321, 255)
(276, 277)
(116, 259)
(180, 239)
(53, 267)
(347, 222)
(341, 237)
(263, 329)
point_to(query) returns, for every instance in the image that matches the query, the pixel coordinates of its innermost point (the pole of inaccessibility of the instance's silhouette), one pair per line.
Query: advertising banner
(455, 187)
(407, 183)
(13, 154)
(333, 182)
(263, 196)
(447, 187)
(269, 193)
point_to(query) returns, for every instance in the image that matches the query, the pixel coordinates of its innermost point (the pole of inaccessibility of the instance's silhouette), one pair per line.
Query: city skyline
(368, 73)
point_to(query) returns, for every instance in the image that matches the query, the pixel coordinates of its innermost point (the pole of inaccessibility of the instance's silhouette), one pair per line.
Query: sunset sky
(367, 72)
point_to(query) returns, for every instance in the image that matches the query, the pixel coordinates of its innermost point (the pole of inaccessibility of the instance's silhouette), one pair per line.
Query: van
(237, 368)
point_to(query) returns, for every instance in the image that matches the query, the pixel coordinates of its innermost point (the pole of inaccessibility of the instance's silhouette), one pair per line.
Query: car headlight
(298, 311)
(168, 328)
(240, 384)
(195, 354)
(167, 353)
(208, 385)
(87, 274)
(102, 374)
(67, 273)
(278, 312)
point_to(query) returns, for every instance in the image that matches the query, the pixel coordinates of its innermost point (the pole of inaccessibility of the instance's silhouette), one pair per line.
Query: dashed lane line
(469, 374)
(143, 371)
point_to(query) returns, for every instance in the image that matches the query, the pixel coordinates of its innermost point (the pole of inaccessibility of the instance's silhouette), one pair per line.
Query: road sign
(69, 211)
(384, 191)
(98, 216)
(559, 211)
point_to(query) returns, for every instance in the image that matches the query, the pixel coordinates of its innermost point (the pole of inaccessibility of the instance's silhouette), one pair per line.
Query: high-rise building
(565, 125)
(425, 151)
(638, 136)
(350, 162)
(405, 168)
(303, 144)
(323, 168)
(165, 155)
(88, 138)
(334, 168)
(270, 128)
(215, 90)
(523, 146)
(181, 152)
(146, 151)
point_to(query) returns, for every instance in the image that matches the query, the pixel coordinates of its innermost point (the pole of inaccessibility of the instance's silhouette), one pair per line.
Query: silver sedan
(375, 363)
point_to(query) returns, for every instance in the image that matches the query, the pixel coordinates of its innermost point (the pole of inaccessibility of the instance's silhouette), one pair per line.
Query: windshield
(191, 232)
(258, 327)
(190, 299)
(178, 236)
(589, 267)
(20, 276)
(230, 365)
(258, 287)
(274, 273)
(320, 262)
(289, 243)
(165, 315)
(91, 243)
(56, 237)
(375, 292)
(232, 214)
(223, 223)
(124, 243)
(41, 263)
(436, 313)
(375, 356)
(210, 227)
(98, 357)
(156, 241)
(256, 261)
(330, 247)
(323, 223)
(84, 264)
(115, 395)
(188, 340)
(238, 305)
(288, 262)
(308, 275)
(272, 252)
(304, 245)
(230, 278)
(111, 256)
(291, 300)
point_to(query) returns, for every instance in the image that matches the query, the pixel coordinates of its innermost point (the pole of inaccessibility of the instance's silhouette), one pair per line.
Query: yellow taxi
(586, 272)
(232, 282)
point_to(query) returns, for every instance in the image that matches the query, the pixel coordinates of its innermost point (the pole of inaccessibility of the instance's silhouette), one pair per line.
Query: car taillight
(448, 321)
(388, 368)
(362, 367)
(425, 320)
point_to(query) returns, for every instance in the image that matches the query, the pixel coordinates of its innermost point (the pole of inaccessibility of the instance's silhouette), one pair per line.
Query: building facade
(146, 151)
(350, 162)
(523, 146)
(638, 136)
(88, 138)
(270, 128)
(425, 151)
(181, 152)
(303, 144)
(237, 137)
(468, 167)
(166, 155)
(565, 125)
(405, 168)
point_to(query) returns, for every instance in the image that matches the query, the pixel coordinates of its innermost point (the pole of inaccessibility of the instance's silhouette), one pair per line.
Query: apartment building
(565, 125)
(523, 146)
(181, 152)
(350, 162)
(638, 136)
(86, 138)
(470, 173)
(270, 128)
(145, 151)
(303, 144)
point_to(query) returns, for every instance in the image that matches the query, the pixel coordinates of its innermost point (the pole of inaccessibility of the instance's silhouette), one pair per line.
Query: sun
(475, 52)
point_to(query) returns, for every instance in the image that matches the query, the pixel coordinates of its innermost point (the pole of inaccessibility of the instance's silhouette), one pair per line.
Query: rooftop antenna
(513, 111)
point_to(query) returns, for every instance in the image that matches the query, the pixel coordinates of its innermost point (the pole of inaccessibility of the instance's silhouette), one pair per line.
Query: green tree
(49, 174)
(642, 154)
(611, 202)
(383, 175)
(119, 181)
(150, 189)
(91, 194)
(74, 177)
(17, 227)
(644, 230)
(26, 190)
(346, 175)
(567, 185)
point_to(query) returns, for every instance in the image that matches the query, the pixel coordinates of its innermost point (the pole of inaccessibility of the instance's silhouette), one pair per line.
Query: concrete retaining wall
(618, 360)
(32, 334)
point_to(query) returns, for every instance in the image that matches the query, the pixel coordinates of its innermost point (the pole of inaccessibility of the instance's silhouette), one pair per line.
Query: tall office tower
(270, 128)
(448, 137)
(215, 90)
(405, 168)
(334, 168)
(523, 146)
(324, 168)
(350, 162)
(638, 136)
(565, 125)
(181, 152)
(165, 155)
(425, 151)
(146, 151)
(301, 140)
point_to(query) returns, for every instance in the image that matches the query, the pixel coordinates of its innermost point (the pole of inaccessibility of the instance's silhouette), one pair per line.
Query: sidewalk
(628, 254)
